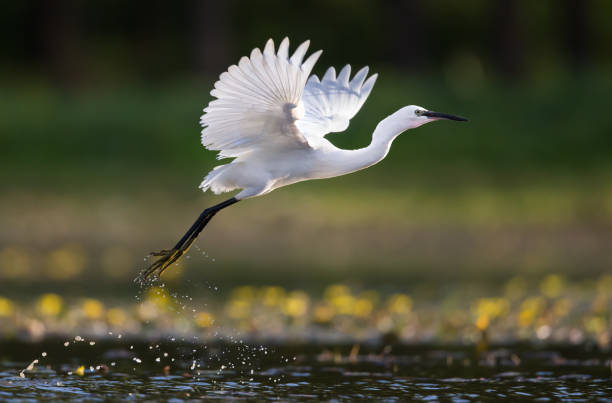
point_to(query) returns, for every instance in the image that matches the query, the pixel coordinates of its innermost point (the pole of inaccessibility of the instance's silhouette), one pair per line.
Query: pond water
(179, 370)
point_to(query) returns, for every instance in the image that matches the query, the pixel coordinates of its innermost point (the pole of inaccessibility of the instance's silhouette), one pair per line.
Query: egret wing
(331, 102)
(258, 101)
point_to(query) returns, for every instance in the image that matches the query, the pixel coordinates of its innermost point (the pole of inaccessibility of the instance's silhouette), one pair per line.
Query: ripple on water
(195, 373)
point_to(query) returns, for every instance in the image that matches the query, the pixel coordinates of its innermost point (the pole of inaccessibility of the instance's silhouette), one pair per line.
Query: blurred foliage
(101, 158)
(578, 313)
(95, 43)
(544, 130)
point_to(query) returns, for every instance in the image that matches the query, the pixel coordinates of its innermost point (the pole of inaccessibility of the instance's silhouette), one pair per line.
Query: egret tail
(168, 256)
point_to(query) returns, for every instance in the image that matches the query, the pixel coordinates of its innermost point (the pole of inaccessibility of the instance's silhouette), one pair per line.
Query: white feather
(250, 109)
(267, 105)
(333, 101)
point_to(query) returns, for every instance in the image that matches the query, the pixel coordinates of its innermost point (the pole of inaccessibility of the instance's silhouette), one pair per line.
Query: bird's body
(257, 174)
(271, 117)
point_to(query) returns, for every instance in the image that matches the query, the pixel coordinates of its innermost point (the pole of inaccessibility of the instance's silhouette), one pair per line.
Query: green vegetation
(549, 309)
(524, 187)
(536, 131)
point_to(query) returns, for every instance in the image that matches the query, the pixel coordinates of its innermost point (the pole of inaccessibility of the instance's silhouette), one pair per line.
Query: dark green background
(100, 150)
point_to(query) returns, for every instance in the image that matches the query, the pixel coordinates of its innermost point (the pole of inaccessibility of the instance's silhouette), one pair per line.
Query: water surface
(175, 369)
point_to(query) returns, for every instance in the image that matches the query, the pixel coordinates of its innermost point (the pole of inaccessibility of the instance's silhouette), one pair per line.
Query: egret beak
(440, 115)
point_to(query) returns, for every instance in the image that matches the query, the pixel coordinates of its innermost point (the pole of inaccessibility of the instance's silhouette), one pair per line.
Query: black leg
(167, 257)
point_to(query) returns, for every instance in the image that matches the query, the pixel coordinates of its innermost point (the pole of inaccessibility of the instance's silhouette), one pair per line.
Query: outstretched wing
(331, 102)
(258, 101)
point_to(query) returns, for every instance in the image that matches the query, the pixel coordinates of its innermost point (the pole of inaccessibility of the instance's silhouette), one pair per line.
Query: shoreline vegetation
(552, 311)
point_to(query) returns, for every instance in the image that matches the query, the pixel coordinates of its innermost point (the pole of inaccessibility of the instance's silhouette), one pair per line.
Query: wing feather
(255, 101)
(283, 49)
(330, 103)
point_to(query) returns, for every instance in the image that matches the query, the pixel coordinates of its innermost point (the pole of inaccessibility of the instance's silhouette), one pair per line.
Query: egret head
(415, 116)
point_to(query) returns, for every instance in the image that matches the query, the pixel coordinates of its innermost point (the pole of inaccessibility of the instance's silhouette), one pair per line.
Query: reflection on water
(174, 369)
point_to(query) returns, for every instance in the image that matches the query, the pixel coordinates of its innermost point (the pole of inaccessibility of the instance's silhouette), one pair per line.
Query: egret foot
(168, 256)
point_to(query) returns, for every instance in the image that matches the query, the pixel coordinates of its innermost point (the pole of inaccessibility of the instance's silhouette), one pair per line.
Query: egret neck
(386, 131)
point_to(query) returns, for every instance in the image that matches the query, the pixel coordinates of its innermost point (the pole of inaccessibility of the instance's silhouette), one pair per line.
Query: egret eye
(418, 112)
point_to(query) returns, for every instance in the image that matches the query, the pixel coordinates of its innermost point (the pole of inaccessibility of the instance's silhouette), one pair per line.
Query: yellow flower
(344, 303)
(492, 307)
(482, 323)
(552, 286)
(158, 296)
(526, 318)
(362, 308)
(238, 308)
(272, 296)
(49, 305)
(530, 309)
(399, 303)
(595, 324)
(92, 308)
(296, 304)
(116, 316)
(204, 319)
(6, 307)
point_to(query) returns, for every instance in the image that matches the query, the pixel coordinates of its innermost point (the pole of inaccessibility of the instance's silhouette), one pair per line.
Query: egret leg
(168, 256)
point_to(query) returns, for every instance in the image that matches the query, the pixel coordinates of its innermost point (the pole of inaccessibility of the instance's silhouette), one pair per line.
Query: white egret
(271, 116)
